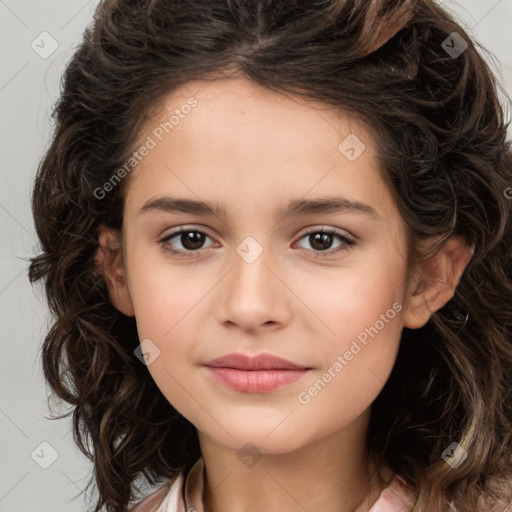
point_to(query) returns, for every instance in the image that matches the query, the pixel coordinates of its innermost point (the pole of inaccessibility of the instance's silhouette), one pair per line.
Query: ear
(435, 281)
(109, 263)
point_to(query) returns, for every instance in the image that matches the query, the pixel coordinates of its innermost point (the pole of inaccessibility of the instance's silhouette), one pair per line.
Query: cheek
(164, 296)
(166, 301)
(362, 308)
(355, 297)
(358, 363)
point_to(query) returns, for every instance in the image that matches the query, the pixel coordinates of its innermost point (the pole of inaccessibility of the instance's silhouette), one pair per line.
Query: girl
(276, 245)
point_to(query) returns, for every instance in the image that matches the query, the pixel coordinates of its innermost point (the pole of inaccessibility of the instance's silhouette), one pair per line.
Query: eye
(321, 240)
(191, 240)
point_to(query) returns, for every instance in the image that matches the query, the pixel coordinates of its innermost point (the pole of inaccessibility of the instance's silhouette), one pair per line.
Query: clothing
(184, 495)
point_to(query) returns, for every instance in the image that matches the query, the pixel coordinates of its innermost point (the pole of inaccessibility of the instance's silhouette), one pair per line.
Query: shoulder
(166, 499)
(401, 497)
(398, 496)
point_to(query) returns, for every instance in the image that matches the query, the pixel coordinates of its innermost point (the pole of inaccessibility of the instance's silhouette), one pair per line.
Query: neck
(334, 474)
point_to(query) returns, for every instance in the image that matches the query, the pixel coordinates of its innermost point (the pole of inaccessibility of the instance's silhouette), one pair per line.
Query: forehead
(234, 140)
(241, 104)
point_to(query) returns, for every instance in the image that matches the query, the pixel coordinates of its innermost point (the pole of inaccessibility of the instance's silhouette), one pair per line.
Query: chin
(258, 441)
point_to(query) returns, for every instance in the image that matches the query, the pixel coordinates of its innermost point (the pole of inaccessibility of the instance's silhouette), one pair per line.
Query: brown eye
(184, 240)
(192, 240)
(322, 240)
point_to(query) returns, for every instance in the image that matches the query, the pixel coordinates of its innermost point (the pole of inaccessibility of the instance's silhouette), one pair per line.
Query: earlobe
(435, 281)
(109, 263)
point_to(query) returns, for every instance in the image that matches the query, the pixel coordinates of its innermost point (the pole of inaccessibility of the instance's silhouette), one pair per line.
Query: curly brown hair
(442, 141)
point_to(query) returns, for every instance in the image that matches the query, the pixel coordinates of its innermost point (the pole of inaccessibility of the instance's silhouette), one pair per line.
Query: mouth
(257, 374)
(263, 361)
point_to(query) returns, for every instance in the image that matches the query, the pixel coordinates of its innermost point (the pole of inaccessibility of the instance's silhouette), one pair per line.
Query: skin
(252, 151)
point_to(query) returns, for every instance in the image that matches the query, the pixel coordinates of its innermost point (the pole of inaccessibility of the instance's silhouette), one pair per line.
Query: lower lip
(255, 381)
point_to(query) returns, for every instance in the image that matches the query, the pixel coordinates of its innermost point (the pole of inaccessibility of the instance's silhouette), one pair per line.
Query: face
(302, 256)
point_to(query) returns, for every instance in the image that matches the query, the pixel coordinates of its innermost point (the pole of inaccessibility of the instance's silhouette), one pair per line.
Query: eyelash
(348, 243)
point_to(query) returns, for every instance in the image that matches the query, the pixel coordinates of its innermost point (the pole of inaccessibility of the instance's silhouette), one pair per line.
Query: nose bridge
(251, 275)
(252, 295)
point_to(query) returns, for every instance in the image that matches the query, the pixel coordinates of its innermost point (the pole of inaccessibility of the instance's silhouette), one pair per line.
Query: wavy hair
(434, 108)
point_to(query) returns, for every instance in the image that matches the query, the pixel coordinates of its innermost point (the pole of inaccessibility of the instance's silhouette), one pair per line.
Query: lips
(256, 374)
(259, 362)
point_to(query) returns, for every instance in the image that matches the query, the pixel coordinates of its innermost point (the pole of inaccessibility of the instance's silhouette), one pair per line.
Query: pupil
(192, 240)
(323, 239)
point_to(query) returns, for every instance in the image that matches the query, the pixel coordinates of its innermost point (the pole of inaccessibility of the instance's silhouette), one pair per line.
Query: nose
(253, 295)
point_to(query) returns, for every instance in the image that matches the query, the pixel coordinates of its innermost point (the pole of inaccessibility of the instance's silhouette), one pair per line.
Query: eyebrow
(294, 208)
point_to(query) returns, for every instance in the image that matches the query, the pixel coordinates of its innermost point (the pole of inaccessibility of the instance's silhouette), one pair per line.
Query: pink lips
(257, 374)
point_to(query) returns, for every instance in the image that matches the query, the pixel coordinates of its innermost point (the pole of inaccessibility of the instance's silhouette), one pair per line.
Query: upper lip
(258, 362)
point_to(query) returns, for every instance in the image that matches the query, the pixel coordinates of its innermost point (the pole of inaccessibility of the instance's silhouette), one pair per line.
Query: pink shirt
(184, 495)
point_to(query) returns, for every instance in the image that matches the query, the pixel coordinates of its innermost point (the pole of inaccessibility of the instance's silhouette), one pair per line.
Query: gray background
(29, 86)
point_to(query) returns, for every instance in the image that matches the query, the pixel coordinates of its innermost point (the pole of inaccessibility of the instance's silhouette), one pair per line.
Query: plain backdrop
(41, 468)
